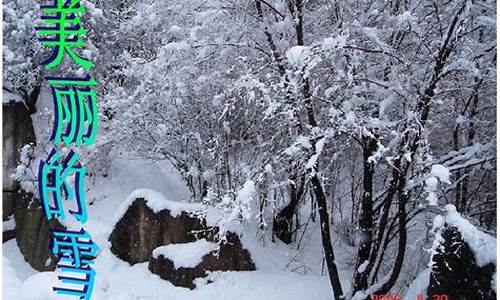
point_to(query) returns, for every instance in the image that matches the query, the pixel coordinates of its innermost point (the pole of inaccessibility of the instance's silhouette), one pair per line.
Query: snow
(9, 224)
(430, 187)
(175, 46)
(350, 118)
(372, 34)
(482, 244)
(334, 43)
(92, 9)
(224, 286)
(157, 202)
(437, 172)
(441, 172)
(262, 285)
(221, 45)
(303, 141)
(291, 150)
(175, 31)
(463, 65)
(460, 119)
(381, 149)
(39, 287)
(487, 21)
(11, 281)
(244, 200)
(419, 285)
(494, 282)
(363, 266)
(187, 255)
(404, 18)
(20, 269)
(8, 97)
(454, 160)
(384, 106)
(311, 163)
(407, 156)
(437, 222)
(297, 272)
(360, 295)
(117, 280)
(298, 56)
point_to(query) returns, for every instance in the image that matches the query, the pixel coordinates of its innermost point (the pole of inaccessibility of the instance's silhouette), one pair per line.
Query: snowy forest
(264, 149)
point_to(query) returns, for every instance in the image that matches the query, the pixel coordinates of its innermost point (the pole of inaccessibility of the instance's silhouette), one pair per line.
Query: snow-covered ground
(283, 272)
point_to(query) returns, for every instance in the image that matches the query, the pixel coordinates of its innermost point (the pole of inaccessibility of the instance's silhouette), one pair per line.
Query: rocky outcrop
(8, 235)
(456, 273)
(231, 256)
(141, 230)
(17, 131)
(32, 232)
(31, 226)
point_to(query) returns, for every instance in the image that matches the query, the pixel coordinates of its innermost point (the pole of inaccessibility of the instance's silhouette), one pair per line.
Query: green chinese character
(63, 31)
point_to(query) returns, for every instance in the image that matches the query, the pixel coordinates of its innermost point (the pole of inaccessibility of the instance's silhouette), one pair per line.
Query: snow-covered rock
(187, 255)
(17, 131)
(482, 245)
(148, 220)
(157, 202)
(175, 238)
(33, 232)
(181, 264)
(463, 259)
(9, 231)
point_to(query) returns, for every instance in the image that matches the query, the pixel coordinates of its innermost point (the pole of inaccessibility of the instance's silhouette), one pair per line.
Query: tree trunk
(366, 220)
(326, 238)
(283, 222)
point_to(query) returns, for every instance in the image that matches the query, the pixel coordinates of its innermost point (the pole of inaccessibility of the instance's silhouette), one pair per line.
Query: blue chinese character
(88, 282)
(74, 247)
(52, 182)
(76, 112)
(76, 251)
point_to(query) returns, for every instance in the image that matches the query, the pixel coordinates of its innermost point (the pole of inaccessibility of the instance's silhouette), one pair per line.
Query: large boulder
(149, 227)
(141, 230)
(8, 235)
(9, 231)
(456, 270)
(31, 226)
(182, 263)
(32, 232)
(17, 131)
